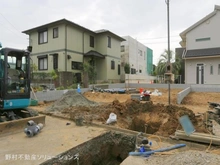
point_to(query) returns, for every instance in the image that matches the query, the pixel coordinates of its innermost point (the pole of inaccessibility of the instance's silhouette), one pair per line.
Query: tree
(89, 73)
(86, 68)
(177, 67)
(54, 74)
(33, 68)
(161, 65)
(163, 61)
(127, 68)
(154, 70)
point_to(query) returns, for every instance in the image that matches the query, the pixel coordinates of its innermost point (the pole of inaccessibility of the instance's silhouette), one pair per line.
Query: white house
(202, 50)
(139, 57)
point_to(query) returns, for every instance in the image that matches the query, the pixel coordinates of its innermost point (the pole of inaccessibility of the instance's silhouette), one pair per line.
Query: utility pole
(168, 36)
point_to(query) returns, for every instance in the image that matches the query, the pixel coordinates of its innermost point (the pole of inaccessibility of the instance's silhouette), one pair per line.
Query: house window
(92, 41)
(77, 65)
(109, 42)
(219, 69)
(122, 48)
(112, 64)
(42, 37)
(42, 62)
(140, 71)
(203, 39)
(140, 52)
(133, 71)
(55, 32)
(211, 69)
(55, 61)
(119, 69)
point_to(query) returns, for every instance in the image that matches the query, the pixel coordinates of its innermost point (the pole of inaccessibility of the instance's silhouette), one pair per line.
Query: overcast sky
(144, 20)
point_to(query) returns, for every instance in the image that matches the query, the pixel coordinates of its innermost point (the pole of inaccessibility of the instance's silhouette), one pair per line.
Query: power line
(2, 25)
(10, 22)
(160, 42)
(156, 38)
(11, 25)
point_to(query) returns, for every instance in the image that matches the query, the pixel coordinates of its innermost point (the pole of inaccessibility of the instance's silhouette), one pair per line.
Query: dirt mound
(146, 117)
(153, 118)
(69, 99)
(106, 97)
(150, 117)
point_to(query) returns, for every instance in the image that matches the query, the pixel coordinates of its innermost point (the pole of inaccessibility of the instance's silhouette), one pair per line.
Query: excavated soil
(154, 116)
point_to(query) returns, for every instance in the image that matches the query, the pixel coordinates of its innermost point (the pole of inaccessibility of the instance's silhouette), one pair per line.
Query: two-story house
(65, 46)
(202, 50)
(139, 57)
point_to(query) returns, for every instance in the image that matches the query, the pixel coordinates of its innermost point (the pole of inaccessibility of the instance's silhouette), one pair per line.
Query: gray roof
(202, 53)
(62, 21)
(65, 21)
(94, 54)
(107, 31)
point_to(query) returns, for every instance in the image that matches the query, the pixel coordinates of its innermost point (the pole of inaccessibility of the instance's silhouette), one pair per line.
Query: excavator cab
(14, 82)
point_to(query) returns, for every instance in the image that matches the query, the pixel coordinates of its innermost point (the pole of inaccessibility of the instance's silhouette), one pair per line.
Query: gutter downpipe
(83, 45)
(83, 60)
(185, 61)
(66, 48)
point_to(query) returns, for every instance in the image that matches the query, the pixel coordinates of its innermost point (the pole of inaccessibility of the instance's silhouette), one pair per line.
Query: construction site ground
(56, 137)
(59, 135)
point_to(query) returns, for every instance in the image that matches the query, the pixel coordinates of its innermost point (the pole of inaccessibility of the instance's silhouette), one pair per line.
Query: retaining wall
(182, 94)
(205, 88)
(54, 95)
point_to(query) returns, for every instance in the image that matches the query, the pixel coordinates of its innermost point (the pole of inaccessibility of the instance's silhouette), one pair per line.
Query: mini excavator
(15, 84)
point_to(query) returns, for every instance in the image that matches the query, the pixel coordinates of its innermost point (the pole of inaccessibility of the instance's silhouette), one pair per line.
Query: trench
(110, 148)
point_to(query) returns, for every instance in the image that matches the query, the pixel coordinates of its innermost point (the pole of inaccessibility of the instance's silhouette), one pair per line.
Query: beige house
(64, 46)
(202, 50)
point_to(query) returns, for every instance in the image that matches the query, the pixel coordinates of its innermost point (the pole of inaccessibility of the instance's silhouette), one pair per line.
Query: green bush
(60, 88)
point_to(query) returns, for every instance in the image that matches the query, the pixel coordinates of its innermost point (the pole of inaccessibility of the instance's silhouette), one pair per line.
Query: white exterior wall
(190, 68)
(209, 28)
(133, 48)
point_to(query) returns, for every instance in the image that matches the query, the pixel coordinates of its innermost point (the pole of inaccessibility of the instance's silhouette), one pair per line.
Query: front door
(200, 74)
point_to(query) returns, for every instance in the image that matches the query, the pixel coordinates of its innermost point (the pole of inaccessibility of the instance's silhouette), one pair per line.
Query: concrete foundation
(106, 149)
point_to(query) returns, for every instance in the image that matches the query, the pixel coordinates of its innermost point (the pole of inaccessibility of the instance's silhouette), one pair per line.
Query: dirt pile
(69, 99)
(149, 117)
(152, 118)
(135, 115)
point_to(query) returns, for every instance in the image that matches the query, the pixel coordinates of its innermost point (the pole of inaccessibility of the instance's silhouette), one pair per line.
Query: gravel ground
(69, 99)
(191, 157)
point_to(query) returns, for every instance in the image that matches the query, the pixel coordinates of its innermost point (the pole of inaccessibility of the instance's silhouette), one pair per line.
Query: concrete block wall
(52, 95)
(182, 94)
(172, 86)
(187, 88)
(205, 88)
